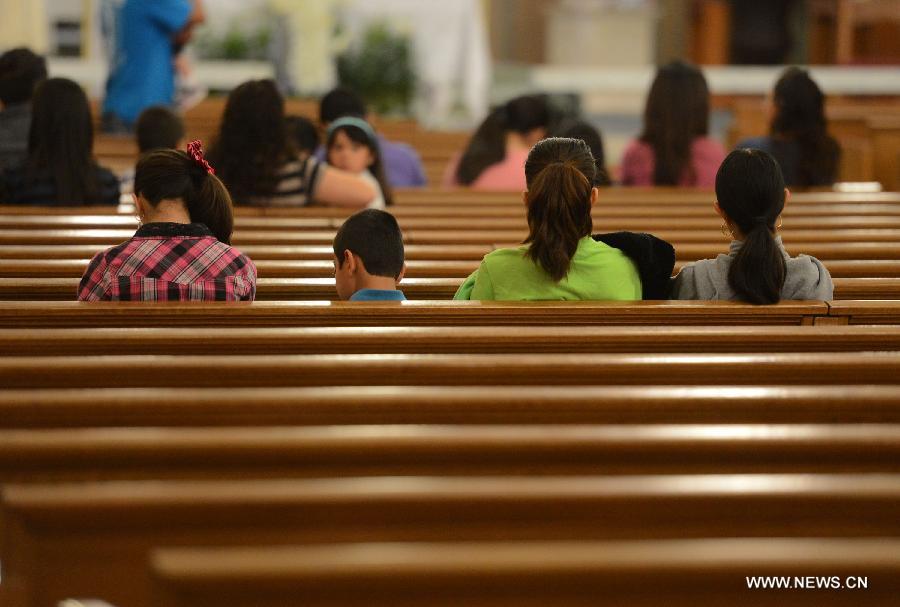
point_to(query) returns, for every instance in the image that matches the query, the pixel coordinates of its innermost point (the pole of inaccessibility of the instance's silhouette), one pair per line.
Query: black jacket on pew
(654, 258)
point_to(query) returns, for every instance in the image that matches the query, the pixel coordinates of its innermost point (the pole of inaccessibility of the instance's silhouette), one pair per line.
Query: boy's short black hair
(338, 103)
(158, 128)
(21, 71)
(374, 236)
(303, 133)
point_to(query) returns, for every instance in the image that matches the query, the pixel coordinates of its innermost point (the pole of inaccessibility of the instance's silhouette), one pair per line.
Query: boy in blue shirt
(148, 35)
(368, 257)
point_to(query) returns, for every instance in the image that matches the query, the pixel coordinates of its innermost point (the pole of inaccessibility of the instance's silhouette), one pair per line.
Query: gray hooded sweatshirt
(805, 278)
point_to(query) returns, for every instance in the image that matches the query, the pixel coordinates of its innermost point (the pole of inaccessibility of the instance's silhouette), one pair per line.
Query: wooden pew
(445, 339)
(641, 573)
(25, 314)
(847, 251)
(69, 455)
(113, 526)
(322, 289)
(415, 268)
(266, 371)
(183, 407)
(874, 312)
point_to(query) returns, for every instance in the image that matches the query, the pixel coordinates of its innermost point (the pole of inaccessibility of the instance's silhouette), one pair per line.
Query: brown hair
(560, 174)
(677, 112)
(172, 174)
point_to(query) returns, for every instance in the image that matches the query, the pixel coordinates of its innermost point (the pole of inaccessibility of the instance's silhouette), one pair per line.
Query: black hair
(800, 116)
(356, 134)
(560, 175)
(488, 144)
(676, 113)
(750, 191)
(252, 145)
(374, 236)
(21, 71)
(582, 129)
(172, 174)
(302, 133)
(338, 103)
(61, 141)
(157, 128)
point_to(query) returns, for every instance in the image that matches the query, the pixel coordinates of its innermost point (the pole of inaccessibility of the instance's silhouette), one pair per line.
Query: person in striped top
(182, 249)
(260, 164)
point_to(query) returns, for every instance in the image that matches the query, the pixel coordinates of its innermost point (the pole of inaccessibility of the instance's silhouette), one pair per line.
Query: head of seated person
(171, 186)
(559, 259)
(573, 128)
(60, 167)
(159, 128)
(674, 148)
(303, 134)
(493, 157)
(20, 72)
(368, 257)
(808, 155)
(340, 102)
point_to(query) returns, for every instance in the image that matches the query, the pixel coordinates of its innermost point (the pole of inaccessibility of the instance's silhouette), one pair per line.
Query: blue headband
(359, 123)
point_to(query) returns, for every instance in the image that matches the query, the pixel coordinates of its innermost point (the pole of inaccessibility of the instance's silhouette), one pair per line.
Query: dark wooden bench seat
(613, 404)
(448, 369)
(322, 289)
(112, 526)
(445, 339)
(646, 573)
(23, 314)
(416, 268)
(846, 251)
(71, 455)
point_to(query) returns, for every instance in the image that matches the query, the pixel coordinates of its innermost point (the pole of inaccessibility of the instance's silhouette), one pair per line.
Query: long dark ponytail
(61, 141)
(173, 174)
(750, 190)
(560, 176)
(488, 145)
(800, 116)
(676, 113)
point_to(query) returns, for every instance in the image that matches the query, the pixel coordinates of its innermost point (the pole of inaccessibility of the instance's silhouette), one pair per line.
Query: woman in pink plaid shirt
(181, 250)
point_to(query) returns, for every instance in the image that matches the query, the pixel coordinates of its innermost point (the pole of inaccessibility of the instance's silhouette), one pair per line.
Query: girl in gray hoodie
(751, 196)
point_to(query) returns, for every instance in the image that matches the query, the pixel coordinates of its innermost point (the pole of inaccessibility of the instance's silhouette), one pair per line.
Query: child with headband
(181, 250)
(353, 147)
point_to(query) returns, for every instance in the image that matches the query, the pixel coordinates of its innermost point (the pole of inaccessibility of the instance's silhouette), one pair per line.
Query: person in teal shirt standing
(559, 260)
(147, 36)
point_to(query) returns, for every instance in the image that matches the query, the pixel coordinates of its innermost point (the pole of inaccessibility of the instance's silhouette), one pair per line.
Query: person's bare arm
(198, 16)
(339, 188)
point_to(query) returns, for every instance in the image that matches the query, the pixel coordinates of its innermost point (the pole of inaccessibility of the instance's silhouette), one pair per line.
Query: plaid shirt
(169, 262)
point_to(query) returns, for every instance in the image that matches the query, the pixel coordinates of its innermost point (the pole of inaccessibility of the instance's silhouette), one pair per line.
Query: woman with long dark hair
(674, 148)
(750, 196)
(60, 169)
(259, 163)
(798, 133)
(559, 259)
(496, 153)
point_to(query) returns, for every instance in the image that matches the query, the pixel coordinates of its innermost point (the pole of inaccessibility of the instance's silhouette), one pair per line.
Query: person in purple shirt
(403, 167)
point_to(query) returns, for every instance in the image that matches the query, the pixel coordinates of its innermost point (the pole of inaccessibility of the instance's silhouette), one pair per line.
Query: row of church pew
(435, 452)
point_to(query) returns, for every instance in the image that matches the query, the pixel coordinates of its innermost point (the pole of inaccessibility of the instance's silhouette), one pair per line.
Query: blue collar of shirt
(378, 295)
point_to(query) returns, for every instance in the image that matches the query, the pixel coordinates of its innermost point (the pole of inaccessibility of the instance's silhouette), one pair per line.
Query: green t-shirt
(598, 272)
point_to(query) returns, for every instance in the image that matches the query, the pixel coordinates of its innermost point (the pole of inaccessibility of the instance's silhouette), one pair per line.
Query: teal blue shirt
(378, 295)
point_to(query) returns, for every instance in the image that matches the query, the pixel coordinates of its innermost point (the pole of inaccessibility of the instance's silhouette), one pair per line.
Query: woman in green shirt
(559, 259)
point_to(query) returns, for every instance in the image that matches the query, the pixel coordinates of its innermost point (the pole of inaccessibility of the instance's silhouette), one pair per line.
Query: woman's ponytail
(173, 174)
(757, 272)
(560, 174)
(750, 191)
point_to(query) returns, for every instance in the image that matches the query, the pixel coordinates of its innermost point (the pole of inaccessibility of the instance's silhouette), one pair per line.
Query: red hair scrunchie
(195, 151)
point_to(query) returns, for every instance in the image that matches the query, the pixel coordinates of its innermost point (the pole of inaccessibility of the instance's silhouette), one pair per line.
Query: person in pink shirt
(496, 154)
(674, 149)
